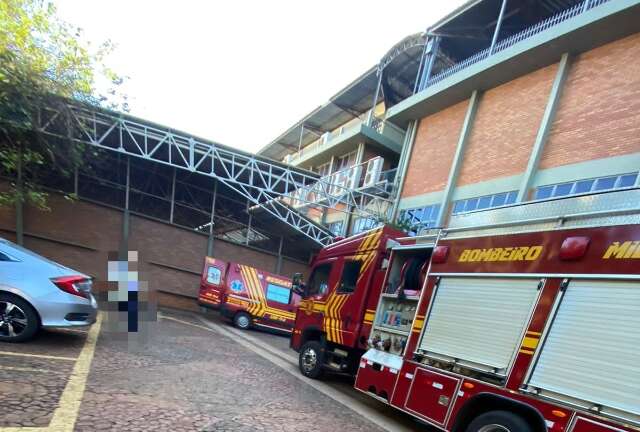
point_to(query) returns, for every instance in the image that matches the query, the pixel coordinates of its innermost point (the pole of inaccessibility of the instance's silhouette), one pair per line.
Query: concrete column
(279, 260)
(173, 195)
(459, 156)
(403, 166)
(213, 210)
(545, 127)
(496, 33)
(124, 240)
(349, 218)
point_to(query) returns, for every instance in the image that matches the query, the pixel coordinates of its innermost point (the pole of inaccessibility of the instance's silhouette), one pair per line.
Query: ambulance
(523, 318)
(248, 296)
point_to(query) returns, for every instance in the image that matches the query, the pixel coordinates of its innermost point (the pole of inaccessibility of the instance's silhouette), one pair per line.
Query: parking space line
(24, 369)
(41, 356)
(64, 417)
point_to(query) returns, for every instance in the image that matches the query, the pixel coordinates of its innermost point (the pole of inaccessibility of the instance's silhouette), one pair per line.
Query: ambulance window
(319, 280)
(349, 279)
(279, 294)
(213, 275)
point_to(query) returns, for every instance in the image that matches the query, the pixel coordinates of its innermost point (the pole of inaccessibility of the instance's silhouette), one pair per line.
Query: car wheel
(242, 320)
(499, 421)
(18, 320)
(311, 359)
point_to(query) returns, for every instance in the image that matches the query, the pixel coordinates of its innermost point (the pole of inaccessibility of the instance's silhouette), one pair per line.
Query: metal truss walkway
(264, 182)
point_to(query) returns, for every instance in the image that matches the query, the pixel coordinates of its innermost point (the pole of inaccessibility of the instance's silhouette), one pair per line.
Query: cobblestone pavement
(185, 378)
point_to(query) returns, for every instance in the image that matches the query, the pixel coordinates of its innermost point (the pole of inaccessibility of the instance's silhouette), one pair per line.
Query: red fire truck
(248, 296)
(525, 319)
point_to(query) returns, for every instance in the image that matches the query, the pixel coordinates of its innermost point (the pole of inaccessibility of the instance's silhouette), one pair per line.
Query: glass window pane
(417, 215)
(471, 204)
(458, 207)
(628, 180)
(584, 186)
(319, 280)
(349, 279)
(484, 202)
(563, 189)
(499, 199)
(511, 197)
(213, 275)
(544, 192)
(605, 183)
(426, 214)
(278, 294)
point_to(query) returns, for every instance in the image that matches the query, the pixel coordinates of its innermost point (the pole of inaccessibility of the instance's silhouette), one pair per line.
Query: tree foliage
(44, 62)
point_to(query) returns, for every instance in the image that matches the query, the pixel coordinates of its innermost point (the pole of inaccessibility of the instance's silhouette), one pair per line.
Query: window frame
(347, 262)
(540, 192)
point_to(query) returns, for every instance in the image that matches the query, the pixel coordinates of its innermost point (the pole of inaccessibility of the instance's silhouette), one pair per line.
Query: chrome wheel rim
(493, 428)
(309, 359)
(13, 320)
(243, 321)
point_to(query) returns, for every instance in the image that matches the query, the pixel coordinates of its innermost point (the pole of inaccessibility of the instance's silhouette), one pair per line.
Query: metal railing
(512, 40)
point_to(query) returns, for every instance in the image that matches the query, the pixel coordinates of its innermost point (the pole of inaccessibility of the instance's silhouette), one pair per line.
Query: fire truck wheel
(499, 421)
(242, 320)
(311, 359)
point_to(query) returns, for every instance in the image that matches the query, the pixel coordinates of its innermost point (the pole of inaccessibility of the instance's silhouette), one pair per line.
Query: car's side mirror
(297, 285)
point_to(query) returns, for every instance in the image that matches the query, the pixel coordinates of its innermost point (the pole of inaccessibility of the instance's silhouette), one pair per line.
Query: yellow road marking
(24, 369)
(48, 357)
(184, 322)
(64, 417)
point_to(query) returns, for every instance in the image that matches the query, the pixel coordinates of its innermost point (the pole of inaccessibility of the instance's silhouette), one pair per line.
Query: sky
(242, 72)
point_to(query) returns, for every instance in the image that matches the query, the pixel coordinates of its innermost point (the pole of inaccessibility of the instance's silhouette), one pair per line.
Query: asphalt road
(194, 373)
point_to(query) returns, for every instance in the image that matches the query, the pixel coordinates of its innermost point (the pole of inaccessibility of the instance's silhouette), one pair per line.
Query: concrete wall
(80, 235)
(597, 123)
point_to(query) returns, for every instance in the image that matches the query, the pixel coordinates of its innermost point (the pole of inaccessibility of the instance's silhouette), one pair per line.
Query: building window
(420, 218)
(586, 186)
(278, 294)
(346, 161)
(335, 227)
(364, 224)
(484, 202)
(324, 169)
(349, 278)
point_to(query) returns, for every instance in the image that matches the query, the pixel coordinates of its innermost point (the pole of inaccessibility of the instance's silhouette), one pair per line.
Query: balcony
(586, 25)
(367, 177)
(380, 134)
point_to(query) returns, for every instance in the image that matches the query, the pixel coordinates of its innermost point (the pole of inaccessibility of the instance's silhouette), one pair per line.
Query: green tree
(43, 63)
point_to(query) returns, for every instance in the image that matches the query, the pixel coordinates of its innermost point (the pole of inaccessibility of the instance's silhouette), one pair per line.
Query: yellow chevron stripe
(255, 308)
(530, 342)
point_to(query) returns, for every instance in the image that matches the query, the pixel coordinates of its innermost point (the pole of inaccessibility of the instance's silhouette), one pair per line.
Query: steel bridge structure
(263, 182)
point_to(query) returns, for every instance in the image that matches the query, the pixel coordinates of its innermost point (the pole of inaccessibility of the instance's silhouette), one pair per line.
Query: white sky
(241, 72)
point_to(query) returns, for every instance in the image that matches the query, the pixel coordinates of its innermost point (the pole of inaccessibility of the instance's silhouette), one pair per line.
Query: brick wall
(599, 112)
(80, 235)
(433, 151)
(505, 127)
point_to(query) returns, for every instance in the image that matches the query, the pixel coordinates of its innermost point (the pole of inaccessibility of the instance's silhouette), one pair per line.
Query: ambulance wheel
(242, 320)
(499, 421)
(311, 359)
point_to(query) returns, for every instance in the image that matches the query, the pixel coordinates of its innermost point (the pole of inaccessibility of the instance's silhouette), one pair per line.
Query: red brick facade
(81, 235)
(599, 112)
(505, 127)
(433, 151)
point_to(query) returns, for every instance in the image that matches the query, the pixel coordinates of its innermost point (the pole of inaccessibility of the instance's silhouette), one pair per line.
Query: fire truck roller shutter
(479, 321)
(590, 355)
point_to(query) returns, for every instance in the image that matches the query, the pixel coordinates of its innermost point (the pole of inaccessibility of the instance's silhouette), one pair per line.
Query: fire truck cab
(248, 296)
(527, 320)
(339, 299)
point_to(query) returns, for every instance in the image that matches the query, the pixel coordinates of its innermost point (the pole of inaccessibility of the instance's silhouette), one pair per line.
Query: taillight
(76, 285)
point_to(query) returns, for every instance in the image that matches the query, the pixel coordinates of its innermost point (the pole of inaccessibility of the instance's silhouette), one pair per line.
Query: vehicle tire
(311, 359)
(499, 421)
(242, 320)
(19, 321)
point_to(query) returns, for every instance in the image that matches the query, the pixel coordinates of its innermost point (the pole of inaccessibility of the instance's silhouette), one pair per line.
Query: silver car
(36, 292)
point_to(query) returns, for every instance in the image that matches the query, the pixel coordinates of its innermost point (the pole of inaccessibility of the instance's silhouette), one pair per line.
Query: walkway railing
(548, 23)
